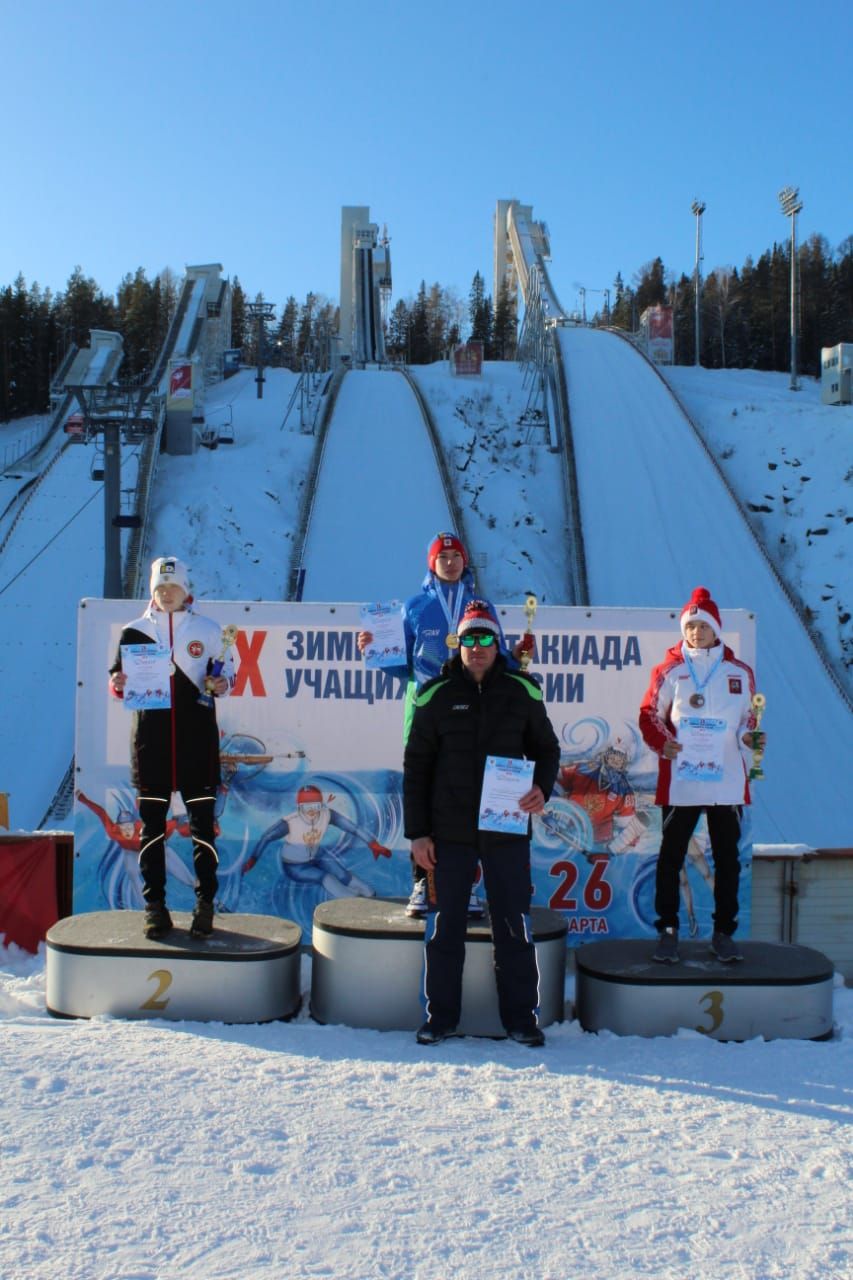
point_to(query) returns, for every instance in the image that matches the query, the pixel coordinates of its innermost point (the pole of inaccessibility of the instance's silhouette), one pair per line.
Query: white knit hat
(169, 571)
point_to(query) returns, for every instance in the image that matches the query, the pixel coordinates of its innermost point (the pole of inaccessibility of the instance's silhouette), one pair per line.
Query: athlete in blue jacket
(430, 622)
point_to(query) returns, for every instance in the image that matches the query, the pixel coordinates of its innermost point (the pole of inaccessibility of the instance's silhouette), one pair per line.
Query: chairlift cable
(41, 552)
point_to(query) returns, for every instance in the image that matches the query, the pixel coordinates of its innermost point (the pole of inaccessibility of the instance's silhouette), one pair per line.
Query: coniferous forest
(744, 319)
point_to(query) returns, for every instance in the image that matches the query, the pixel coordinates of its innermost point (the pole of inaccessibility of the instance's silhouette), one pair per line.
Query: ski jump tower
(365, 277)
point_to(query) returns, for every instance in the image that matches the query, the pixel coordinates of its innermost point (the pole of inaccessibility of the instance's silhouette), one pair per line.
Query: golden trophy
(759, 702)
(229, 635)
(529, 613)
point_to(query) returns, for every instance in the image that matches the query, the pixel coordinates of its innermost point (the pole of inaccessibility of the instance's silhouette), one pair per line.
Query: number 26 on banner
(597, 894)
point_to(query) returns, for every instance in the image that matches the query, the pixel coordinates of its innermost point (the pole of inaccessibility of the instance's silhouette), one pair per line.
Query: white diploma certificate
(147, 667)
(703, 740)
(504, 783)
(385, 624)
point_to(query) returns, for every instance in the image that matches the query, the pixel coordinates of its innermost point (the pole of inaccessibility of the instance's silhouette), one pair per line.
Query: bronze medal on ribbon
(697, 700)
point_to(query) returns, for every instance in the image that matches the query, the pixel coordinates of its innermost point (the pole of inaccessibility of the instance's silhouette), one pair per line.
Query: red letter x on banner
(248, 672)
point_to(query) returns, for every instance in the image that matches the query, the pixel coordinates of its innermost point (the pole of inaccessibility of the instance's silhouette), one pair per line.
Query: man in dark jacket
(475, 709)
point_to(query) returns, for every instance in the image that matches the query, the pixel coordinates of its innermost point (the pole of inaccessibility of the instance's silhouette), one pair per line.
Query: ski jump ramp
(379, 498)
(658, 520)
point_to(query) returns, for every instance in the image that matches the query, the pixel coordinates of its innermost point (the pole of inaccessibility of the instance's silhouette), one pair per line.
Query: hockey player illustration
(602, 789)
(303, 858)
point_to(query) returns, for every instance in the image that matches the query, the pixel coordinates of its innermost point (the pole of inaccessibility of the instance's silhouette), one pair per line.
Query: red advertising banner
(468, 359)
(180, 382)
(28, 889)
(660, 322)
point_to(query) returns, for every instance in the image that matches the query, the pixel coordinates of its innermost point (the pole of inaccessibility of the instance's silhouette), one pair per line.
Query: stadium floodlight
(698, 207)
(789, 199)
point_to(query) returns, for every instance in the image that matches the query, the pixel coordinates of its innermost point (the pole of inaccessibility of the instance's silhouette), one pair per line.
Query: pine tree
(419, 350)
(285, 335)
(238, 315)
(505, 334)
(399, 325)
(651, 285)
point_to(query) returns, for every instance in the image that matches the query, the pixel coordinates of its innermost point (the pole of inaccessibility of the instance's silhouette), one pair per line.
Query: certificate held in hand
(147, 667)
(505, 781)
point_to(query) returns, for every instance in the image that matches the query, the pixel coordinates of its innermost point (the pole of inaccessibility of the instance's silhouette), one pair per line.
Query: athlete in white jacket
(697, 717)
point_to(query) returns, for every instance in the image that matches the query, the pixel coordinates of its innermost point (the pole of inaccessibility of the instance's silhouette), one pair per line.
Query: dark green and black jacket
(457, 724)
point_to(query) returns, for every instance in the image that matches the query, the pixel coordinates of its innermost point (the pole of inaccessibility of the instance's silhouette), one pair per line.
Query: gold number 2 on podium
(164, 978)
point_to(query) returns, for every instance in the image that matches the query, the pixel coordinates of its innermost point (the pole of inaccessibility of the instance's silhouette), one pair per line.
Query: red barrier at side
(28, 889)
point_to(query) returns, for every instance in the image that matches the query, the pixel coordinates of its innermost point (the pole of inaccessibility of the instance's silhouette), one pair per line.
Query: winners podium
(367, 971)
(778, 991)
(101, 963)
(368, 964)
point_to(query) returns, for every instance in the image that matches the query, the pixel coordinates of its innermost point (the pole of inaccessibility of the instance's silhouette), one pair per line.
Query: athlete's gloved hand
(379, 850)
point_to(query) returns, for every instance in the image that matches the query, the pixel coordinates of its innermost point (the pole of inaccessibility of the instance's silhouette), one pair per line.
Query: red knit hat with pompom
(701, 608)
(478, 616)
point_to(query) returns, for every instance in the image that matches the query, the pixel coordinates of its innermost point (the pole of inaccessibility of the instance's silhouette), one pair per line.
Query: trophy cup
(759, 702)
(229, 635)
(529, 613)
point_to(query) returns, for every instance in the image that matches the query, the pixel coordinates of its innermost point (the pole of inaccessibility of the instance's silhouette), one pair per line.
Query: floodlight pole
(791, 206)
(698, 207)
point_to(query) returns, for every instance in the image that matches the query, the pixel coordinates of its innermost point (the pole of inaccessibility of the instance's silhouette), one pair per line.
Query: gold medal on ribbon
(452, 640)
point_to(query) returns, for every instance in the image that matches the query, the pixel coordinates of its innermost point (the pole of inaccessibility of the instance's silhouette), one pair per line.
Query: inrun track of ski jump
(638, 507)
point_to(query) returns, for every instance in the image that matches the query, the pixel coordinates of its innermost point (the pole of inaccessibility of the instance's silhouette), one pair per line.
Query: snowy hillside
(789, 459)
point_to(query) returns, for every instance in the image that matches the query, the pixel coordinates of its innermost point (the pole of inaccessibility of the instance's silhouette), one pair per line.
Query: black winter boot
(202, 922)
(157, 921)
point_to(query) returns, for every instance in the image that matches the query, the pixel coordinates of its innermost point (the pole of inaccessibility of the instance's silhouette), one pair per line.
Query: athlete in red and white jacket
(699, 702)
(727, 687)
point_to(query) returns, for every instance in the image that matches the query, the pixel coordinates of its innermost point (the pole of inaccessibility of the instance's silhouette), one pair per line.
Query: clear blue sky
(184, 131)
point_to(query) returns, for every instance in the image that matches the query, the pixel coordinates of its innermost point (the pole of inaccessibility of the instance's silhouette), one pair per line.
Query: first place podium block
(777, 991)
(101, 963)
(368, 965)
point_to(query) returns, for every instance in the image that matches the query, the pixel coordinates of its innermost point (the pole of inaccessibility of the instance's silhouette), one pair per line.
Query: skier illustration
(125, 831)
(303, 859)
(697, 859)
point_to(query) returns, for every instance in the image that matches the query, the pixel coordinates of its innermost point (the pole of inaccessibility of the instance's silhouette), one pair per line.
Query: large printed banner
(306, 716)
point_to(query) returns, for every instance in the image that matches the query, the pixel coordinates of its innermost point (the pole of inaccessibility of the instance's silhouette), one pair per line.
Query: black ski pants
(153, 811)
(679, 823)
(507, 879)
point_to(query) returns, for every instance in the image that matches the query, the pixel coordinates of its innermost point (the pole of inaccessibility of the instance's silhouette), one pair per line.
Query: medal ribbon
(452, 606)
(690, 667)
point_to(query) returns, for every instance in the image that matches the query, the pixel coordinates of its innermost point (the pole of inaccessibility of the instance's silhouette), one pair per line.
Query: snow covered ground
(185, 1151)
